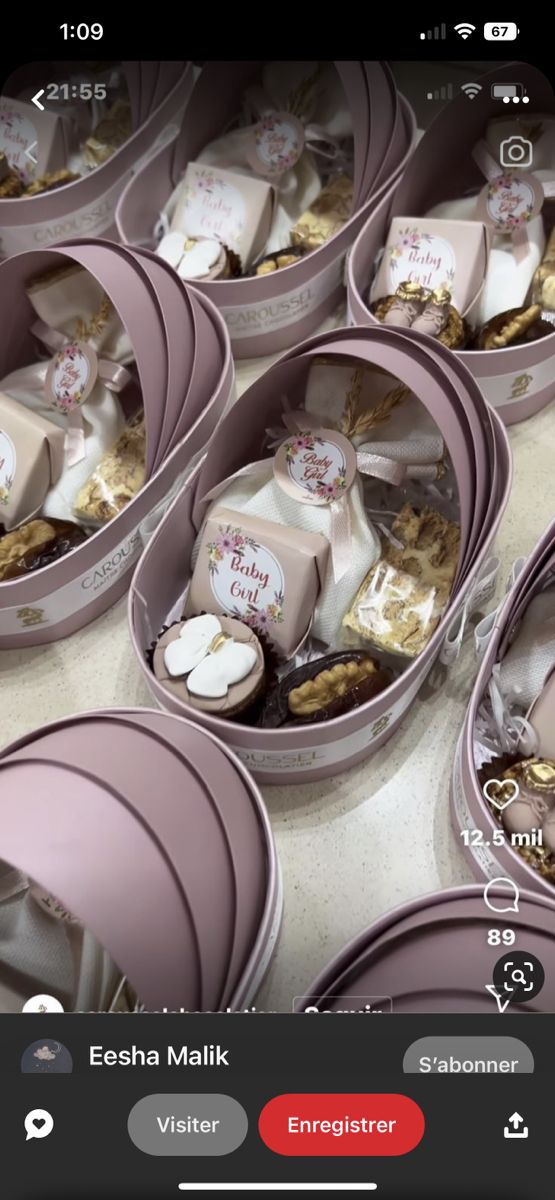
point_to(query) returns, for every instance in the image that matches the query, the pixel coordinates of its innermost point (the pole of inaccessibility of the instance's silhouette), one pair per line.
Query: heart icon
(509, 791)
(39, 1122)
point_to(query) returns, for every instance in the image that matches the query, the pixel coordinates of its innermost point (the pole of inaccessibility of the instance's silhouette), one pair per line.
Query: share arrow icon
(516, 1132)
(502, 1000)
(36, 100)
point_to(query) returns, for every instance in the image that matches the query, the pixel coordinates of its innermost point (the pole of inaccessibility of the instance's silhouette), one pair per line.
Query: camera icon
(516, 151)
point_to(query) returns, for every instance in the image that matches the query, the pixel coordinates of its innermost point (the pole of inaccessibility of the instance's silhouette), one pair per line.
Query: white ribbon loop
(480, 593)
(485, 628)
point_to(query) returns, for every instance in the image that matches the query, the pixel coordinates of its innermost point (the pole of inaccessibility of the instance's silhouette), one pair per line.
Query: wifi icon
(464, 29)
(471, 89)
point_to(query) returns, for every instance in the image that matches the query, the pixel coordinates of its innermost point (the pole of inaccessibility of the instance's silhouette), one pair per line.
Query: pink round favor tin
(268, 313)
(173, 866)
(433, 956)
(483, 473)
(517, 381)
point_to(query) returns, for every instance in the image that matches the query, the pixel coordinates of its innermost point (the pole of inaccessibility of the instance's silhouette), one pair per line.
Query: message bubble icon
(502, 895)
(38, 1124)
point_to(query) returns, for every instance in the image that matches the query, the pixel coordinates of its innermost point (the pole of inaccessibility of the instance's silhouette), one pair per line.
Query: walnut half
(317, 693)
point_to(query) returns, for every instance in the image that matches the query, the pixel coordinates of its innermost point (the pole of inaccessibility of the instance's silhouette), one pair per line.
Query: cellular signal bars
(438, 33)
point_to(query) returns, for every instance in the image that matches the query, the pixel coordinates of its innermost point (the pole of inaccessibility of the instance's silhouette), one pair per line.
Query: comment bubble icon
(502, 895)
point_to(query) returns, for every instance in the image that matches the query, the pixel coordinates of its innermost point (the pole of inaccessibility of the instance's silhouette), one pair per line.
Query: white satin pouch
(72, 306)
(378, 414)
(43, 954)
(531, 656)
(313, 93)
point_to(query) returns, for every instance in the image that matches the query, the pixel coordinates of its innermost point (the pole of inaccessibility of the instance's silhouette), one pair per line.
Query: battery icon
(509, 93)
(494, 31)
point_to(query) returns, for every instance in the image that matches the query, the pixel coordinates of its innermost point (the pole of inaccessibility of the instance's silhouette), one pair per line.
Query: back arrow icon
(28, 153)
(36, 100)
(502, 1000)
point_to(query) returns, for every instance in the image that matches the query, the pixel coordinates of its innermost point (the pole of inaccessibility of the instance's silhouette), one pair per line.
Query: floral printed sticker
(423, 258)
(71, 377)
(7, 467)
(278, 143)
(17, 135)
(246, 579)
(212, 207)
(315, 467)
(509, 201)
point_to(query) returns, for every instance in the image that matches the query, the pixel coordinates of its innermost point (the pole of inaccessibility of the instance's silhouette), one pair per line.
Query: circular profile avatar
(47, 1057)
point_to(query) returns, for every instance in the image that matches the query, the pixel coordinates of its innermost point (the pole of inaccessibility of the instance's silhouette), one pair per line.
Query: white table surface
(350, 847)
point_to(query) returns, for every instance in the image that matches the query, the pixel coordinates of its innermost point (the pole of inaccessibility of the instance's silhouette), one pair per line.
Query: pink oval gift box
(185, 375)
(517, 381)
(489, 852)
(158, 93)
(317, 751)
(172, 871)
(268, 313)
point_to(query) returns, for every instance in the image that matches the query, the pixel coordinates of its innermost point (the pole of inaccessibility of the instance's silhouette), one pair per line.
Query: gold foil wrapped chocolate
(538, 774)
(532, 809)
(454, 333)
(515, 327)
(326, 215)
(543, 283)
(278, 260)
(118, 477)
(111, 132)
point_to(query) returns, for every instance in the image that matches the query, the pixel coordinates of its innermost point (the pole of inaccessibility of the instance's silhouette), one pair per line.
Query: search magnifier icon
(519, 975)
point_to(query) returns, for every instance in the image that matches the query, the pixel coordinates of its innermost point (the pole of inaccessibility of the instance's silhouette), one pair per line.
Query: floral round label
(315, 467)
(7, 467)
(71, 376)
(278, 143)
(510, 200)
(18, 135)
(246, 579)
(423, 258)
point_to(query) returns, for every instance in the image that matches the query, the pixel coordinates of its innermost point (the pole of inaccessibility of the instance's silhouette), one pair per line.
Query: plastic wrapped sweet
(119, 477)
(399, 604)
